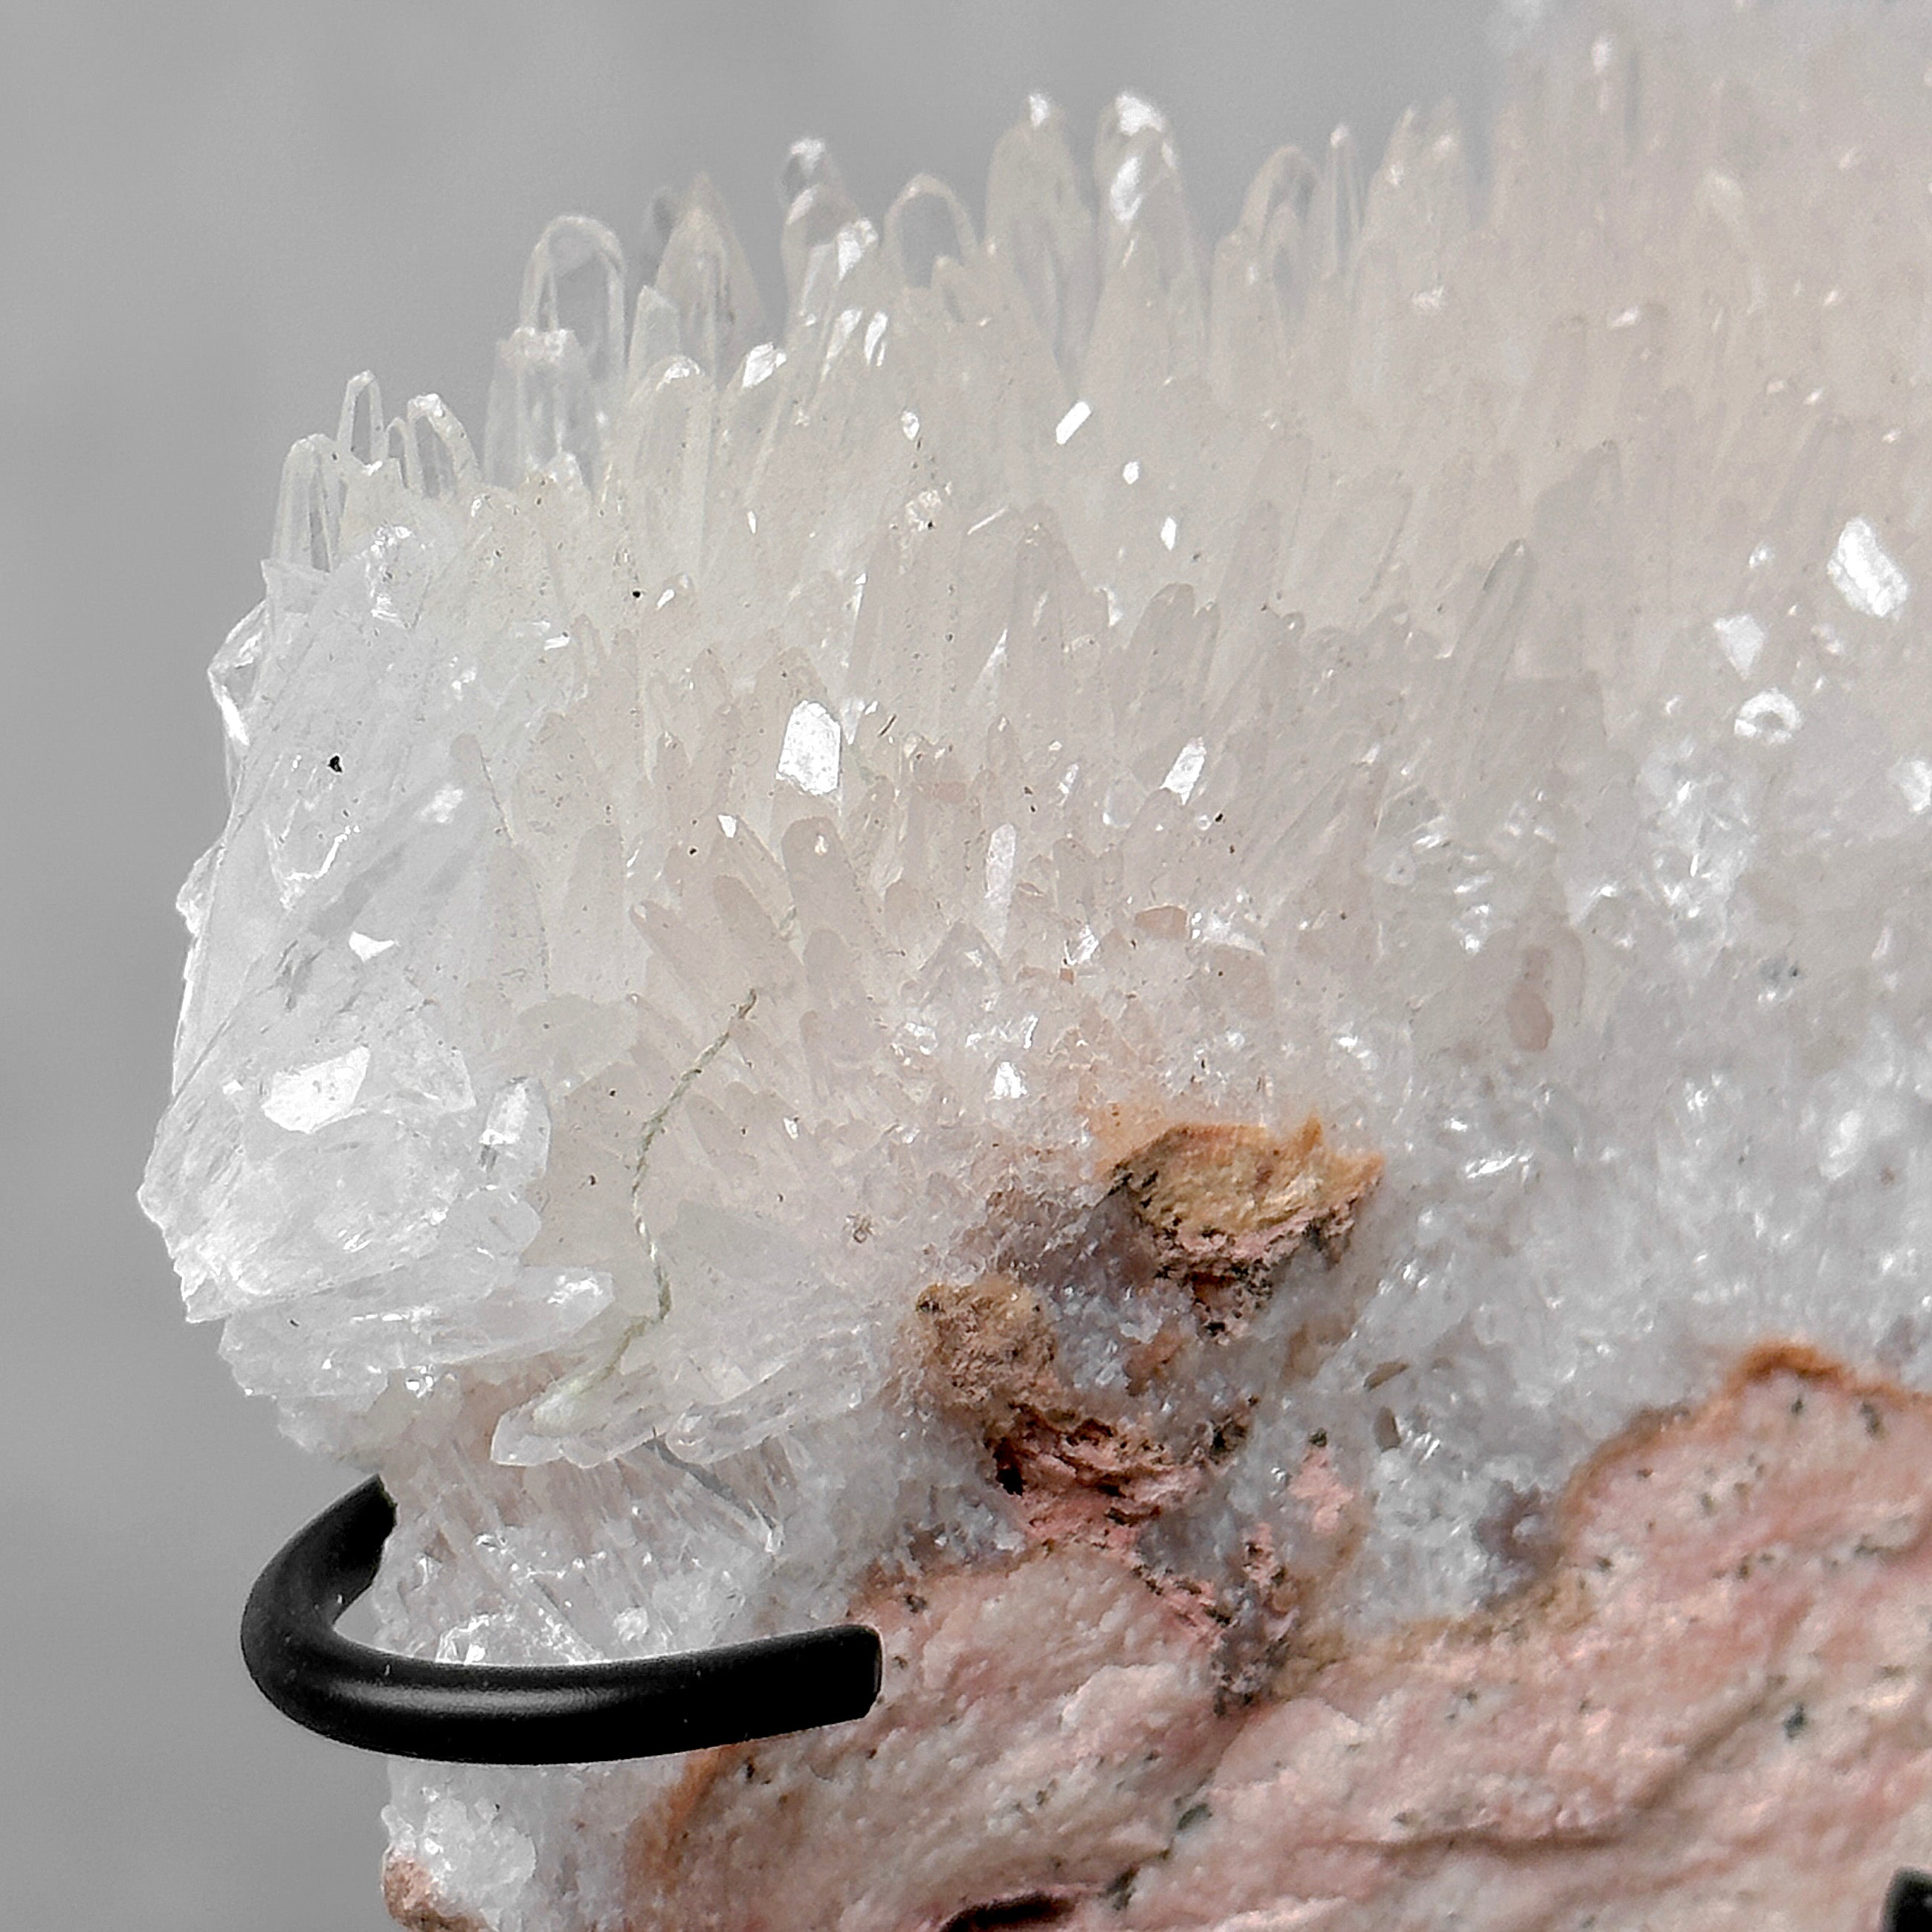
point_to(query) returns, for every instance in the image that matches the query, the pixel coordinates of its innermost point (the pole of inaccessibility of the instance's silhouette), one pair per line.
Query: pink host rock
(1710, 1710)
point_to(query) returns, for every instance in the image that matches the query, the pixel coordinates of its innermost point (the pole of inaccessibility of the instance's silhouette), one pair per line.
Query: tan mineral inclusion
(1201, 975)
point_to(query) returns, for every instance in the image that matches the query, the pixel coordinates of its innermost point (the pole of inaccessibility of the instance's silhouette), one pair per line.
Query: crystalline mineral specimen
(1200, 976)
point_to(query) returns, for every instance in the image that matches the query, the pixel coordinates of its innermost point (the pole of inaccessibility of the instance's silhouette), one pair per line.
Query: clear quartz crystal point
(927, 224)
(1039, 223)
(1339, 203)
(361, 432)
(1195, 972)
(817, 213)
(654, 231)
(308, 515)
(437, 462)
(543, 409)
(575, 281)
(1261, 274)
(1143, 215)
(705, 275)
(655, 335)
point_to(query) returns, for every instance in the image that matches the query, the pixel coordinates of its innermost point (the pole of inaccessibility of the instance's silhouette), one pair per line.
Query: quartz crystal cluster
(1199, 972)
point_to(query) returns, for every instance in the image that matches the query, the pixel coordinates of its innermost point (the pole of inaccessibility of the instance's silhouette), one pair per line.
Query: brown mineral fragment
(989, 1348)
(412, 1901)
(1195, 1227)
(1712, 1711)
(1226, 1204)
(1077, 1474)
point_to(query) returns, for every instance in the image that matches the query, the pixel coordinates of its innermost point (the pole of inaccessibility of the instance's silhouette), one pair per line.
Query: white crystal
(1913, 778)
(683, 868)
(1184, 774)
(809, 757)
(305, 1098)
(1771, 715)
(1867, 578)
(1741, 639)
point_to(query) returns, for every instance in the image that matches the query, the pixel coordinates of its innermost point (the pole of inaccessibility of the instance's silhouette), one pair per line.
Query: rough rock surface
(751, 1038)
(1710, 1710)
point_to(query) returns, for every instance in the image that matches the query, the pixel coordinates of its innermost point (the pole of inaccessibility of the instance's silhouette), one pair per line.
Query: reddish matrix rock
(1711, 1711)
(1039, 1731)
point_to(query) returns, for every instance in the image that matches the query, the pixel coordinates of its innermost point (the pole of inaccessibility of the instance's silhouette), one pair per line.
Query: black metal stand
(1908, 1905)
(489, 1713)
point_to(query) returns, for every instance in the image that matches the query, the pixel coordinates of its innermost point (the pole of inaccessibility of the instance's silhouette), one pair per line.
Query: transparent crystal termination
(747, 1039)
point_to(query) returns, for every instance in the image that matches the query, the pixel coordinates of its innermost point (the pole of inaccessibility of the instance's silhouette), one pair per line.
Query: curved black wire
(492, 1714)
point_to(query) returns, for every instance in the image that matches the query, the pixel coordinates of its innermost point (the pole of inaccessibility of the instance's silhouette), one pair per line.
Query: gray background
(210, 215)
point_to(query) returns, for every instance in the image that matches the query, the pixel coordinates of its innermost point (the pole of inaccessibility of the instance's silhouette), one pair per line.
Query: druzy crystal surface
(1198, 973)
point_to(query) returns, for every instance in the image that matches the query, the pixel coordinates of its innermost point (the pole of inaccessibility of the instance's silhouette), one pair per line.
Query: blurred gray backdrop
(211, 214)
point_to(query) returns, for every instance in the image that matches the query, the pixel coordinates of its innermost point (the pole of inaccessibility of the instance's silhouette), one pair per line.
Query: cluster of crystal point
(748, 1037)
